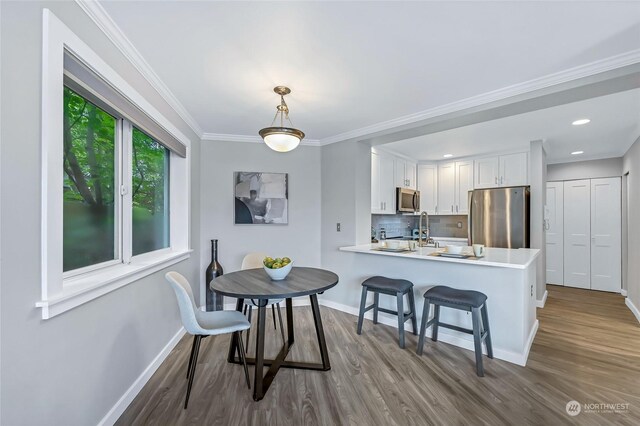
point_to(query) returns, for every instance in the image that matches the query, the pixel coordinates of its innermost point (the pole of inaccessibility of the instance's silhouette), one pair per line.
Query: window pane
(89, 165)
(150, 194)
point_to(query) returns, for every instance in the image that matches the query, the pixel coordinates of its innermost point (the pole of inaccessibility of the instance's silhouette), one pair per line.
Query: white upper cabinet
(464, 184)
(376, 204)
(383, 189)
(387, 187)
(486, 172)
(514, 169)
(446, 188)
(503, 170)
(428, 187)
(405, 174)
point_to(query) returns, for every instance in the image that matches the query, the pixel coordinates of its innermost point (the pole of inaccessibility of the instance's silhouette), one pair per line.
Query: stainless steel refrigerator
(499, 217)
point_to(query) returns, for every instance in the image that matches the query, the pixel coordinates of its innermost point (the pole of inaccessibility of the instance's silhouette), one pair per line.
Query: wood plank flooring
(587, 349)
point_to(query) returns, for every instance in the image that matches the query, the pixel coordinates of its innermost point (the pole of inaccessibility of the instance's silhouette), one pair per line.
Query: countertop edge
(365, 249)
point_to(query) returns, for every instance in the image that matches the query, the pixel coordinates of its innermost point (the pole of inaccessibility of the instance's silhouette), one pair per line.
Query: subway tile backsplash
(400, 225)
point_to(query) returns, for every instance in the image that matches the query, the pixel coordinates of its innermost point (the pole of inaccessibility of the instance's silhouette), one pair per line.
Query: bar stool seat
(387, 284)
(465, 300)
(458, 297)
(392, 287)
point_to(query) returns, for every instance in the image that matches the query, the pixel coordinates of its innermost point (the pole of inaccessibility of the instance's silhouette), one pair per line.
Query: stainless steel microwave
(407, 200)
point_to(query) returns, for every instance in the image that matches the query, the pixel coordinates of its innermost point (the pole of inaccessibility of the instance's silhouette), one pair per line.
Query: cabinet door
(514, 169)
(376, 204)
(577, 233)
(446, 188)
(464, 184)
(486, 173)
(554, 220)
(400, 179)
(428, 187)
(410, 175)
(606, 218)
(387, 184)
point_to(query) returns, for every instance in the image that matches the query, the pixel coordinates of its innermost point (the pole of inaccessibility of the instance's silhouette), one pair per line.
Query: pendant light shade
(281, 139)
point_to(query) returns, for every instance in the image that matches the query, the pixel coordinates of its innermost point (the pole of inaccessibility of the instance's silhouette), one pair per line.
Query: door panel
(554, 233)
(387, 185)
(577, 233)
(376, 205)
(486, 173)
(464, 184)
(514, 169)
(606, 234)
(446, 188)
(428, 187)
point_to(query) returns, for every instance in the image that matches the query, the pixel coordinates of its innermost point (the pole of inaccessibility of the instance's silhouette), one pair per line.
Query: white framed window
(115, 178)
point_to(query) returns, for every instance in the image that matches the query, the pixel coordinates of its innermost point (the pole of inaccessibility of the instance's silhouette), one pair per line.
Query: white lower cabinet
(591, 256)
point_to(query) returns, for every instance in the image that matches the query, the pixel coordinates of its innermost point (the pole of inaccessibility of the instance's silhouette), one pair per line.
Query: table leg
(324, 354)
(262, 382)
(289, 305)
(233, 345)
(258, 392)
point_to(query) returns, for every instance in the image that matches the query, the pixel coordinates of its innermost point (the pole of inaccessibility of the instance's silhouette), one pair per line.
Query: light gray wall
(346, 198)
(591, 169)
(632, 166)
(71, 369)
(538, 169)
(300, 239)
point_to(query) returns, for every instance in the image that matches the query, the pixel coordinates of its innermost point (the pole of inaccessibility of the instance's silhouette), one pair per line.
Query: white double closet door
(591, 223)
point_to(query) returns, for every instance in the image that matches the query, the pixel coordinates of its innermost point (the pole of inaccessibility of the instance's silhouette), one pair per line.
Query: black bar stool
(392, 287)
(465, 300)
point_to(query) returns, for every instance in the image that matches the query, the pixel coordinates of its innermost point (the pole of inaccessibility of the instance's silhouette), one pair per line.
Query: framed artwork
(261, 198)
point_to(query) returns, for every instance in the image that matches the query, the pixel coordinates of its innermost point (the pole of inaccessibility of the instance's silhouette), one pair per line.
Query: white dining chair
(253, 261)
(202, 324)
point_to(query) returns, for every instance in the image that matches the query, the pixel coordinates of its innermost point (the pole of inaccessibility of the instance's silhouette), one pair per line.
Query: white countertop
(496, 257)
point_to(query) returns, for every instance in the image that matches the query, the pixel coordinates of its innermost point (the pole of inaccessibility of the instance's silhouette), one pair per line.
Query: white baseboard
(116, 411)
(541, 303)
(623, 292)
(633, 308)
(458, 339)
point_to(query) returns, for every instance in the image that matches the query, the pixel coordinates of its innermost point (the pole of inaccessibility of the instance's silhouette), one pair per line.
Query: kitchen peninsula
(506, 276)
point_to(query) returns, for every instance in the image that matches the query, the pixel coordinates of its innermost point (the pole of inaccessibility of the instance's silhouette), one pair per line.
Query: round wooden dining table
(256, 285)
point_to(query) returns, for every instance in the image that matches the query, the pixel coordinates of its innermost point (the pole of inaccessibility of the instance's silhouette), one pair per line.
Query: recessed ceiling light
(581, 122)
(448, 155)
(577, 152)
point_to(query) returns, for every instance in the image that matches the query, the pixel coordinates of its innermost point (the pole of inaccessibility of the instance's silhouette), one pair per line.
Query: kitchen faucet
(424, 215)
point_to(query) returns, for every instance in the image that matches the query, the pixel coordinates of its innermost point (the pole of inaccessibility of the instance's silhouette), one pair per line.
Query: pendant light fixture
(281, 139)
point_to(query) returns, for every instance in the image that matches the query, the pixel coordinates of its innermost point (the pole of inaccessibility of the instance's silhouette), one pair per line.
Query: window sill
(82, 289)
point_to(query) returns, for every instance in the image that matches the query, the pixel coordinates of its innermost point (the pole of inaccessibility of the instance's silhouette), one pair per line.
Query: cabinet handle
(496, 180)
(501, 180)
(456, 209)
(451, 208)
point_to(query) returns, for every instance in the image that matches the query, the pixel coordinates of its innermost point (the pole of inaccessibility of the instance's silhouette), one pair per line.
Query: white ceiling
(614, 126)
(354, 64)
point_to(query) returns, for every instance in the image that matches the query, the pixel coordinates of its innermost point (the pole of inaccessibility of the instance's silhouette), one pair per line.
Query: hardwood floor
(587, 349)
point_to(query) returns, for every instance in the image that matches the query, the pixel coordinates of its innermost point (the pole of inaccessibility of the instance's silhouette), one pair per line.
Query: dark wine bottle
(214, 301)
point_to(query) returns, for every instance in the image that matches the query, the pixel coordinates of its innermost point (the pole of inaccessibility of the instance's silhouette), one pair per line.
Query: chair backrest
(253, 260)
(186, 303)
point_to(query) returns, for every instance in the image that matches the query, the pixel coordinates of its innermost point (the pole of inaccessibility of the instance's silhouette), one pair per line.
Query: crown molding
(222, 137)
(571, 74)
(103, 20)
